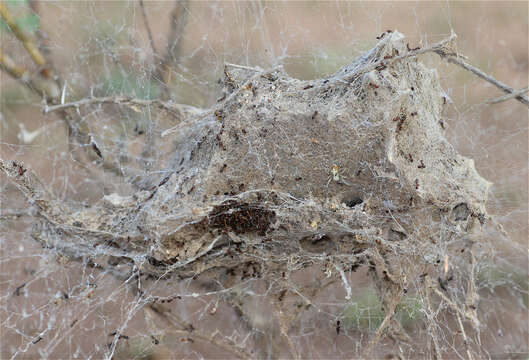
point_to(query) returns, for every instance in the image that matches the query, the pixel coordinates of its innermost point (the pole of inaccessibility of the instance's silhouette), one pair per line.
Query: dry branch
(178, 22)
(28, 43)
(125, 100)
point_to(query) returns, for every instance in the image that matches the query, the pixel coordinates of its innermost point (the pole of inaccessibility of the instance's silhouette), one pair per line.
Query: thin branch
(256, 69)
(445, 49)
(15, 215)
(28, 43)
(464, 335)
(507, 97)
(389, 314)
(123, 100)
(191, 332)
(148, 27)
(431, 327)
(344, 280)
(8, 65)
(174, 41)
(459, 61)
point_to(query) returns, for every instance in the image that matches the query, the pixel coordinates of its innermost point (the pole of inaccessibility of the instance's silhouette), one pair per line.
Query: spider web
(63, 301)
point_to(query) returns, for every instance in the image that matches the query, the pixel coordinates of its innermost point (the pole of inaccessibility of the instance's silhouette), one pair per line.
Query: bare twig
(15, 215)
(464, 335)
(148, 27)
(431, 326)
(507, 97)
(459, 61)
(389, 314)
(8, 65)
(344, 281)
(188, 330)
(42, 39)
(123, 100)
(256, 69)
(283, 328)
(28, 43)
(174, 41)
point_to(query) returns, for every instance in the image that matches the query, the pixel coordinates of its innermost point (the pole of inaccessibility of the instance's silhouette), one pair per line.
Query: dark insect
(314, 115)
(223, 168)
(443, 283)
(413, 113)
(114, 333)
(421, 165)
(416, 184)
(96, 149)
(21, 170)
(410, 158)
(166, 179)
(17, 290)
(138, 130)
(219, 115)
(401, 118)
(37, 340)
(282, 295)
(381, 36)
(412, 49)
(308, 87)
(338, 327)
(154, 340)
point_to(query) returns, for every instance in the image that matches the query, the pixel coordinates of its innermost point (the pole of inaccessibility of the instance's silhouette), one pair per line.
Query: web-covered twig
(446, 49)
(507, 97)
(149, 31)
(178, 22)
(125, 100)
(188, 330)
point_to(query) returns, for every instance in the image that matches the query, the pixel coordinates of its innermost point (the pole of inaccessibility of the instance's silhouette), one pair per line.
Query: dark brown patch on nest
(241, 217)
